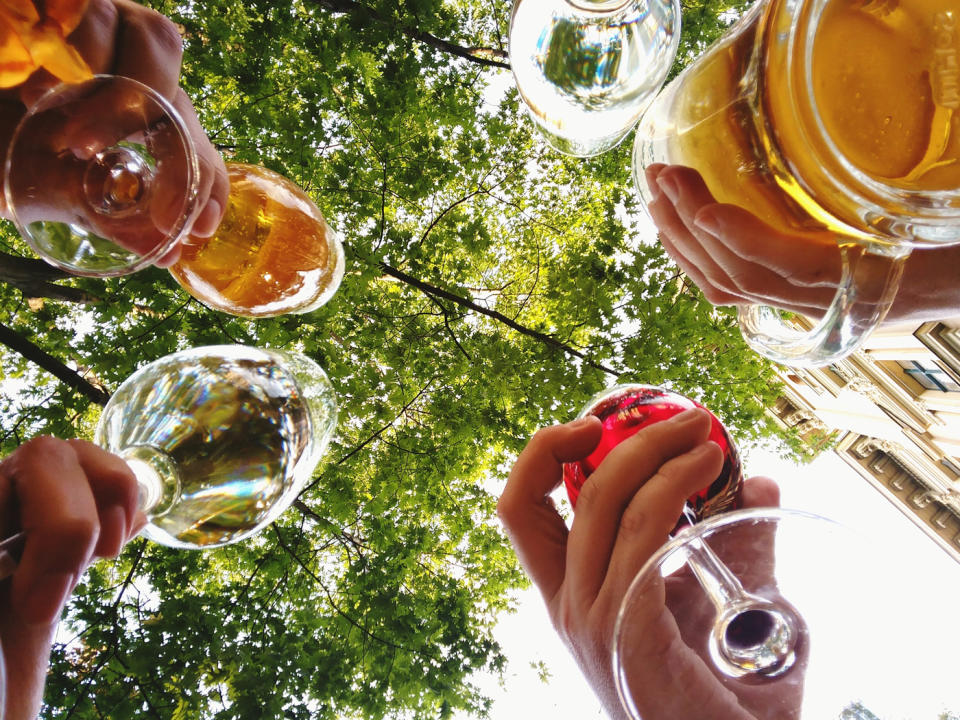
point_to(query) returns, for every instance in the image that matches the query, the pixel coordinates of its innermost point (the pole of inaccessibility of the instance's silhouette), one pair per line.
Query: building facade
(892, 410)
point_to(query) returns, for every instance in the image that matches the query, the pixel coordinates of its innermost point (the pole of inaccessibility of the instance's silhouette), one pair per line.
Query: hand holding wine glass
(74, 502)
(624, 514)
(106, 176)
(200, 448)
(123, 39)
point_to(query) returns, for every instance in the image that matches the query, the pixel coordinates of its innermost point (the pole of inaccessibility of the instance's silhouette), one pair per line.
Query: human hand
(735, 258)
(624, 514)
(75, 502)
(122, 38)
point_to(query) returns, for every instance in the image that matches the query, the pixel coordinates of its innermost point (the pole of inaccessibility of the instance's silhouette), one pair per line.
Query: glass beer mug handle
(868, 285)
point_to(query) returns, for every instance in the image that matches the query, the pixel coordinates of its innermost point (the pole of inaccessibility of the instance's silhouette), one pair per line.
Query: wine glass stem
(751, 635)
(720, 585)
(158, 478)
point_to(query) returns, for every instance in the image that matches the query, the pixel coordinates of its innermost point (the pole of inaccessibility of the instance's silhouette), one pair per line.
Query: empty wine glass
(825, 631)
(221, 439)
(102, 180)
(587, 69)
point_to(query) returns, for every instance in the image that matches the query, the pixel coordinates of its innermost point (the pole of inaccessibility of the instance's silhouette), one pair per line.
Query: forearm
(930, 288)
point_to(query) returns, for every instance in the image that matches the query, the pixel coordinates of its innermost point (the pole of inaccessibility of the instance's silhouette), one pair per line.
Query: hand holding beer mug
(830, 122)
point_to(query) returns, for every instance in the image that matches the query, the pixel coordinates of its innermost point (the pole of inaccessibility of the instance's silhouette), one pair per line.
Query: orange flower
(33, 35)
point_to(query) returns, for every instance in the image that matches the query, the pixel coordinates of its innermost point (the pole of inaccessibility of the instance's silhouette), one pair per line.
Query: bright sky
(926, 616)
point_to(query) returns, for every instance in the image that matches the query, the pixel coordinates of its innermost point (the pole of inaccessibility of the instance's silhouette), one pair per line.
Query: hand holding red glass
(624, 410)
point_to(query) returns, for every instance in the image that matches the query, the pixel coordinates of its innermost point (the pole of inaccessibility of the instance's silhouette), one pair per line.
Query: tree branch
(35, 354)
(478, 55)
(34, 278)
(375, 435)
(499, 317)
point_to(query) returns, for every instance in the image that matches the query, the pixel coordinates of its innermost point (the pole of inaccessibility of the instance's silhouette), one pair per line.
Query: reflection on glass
(626, 409)
(104, 197)
(587, 70)
(826, 120)
(221, 439)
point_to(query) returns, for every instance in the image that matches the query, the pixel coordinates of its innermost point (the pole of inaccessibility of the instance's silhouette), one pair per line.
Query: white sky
(827, 487)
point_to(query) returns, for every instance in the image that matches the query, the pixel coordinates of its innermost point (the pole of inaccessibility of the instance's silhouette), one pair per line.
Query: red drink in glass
(624, 411)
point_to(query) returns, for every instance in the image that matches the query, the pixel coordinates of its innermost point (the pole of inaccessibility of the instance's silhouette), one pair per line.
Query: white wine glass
(587, 69)
(221, 439)
(102, 179)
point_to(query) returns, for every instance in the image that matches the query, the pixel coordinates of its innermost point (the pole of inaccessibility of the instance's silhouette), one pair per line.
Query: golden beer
(273, 252)
(852, 126)
(826, 119)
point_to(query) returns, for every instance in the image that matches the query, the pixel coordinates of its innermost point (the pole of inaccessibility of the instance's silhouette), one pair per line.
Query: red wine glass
(751, 634)
(626, 409)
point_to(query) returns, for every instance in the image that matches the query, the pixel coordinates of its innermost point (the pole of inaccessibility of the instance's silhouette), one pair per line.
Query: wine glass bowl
(220, 438)
(101, 194)
(587, 69)
(272, 253)
(626, 409)
(847, 642)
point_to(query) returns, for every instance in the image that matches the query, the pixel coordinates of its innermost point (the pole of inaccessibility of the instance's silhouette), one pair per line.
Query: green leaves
(489, 285)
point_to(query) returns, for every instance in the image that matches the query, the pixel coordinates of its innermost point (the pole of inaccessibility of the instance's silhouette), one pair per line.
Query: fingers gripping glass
(221, 440)
(752, 635)
(102, 179)
(866, 156)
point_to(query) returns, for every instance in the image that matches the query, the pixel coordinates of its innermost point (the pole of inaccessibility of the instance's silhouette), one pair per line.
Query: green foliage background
(491, 288)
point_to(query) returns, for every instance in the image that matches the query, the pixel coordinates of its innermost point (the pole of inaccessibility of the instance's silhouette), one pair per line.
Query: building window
(951, 466)
(930, 375)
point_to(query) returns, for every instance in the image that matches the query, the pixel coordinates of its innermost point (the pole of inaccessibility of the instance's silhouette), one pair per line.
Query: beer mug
(825, 118)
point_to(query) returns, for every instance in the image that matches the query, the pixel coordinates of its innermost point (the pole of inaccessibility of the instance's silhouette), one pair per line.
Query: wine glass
(220, 438)
(759, 613)
(101, 176)
(105, 196)
(626, 409)
(751, 632)
(808, 620)
(587, 69)
(272, 253)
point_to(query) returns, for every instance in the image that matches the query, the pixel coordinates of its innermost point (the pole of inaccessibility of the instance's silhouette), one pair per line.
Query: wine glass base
(101, 178)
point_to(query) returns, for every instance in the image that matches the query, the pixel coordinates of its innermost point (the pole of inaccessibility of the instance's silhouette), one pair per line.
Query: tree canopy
(492, 286)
